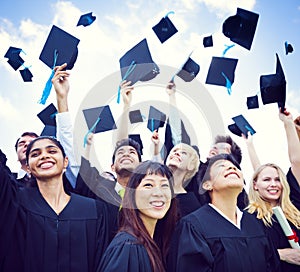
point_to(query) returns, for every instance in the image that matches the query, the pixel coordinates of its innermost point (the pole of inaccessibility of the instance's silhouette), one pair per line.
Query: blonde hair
(263, 208)
(194, 159)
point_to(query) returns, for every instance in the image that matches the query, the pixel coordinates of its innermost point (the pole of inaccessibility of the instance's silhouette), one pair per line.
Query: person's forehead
(26, 138)
(126, 147)
(43, 143)
(222, 145)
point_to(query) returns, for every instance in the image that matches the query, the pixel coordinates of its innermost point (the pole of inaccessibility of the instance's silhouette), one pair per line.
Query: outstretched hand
(126, 91)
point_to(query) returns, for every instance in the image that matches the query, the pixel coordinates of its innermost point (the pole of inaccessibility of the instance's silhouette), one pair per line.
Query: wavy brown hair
(130, 221)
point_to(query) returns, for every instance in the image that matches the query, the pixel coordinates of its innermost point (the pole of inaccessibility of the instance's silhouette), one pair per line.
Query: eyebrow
(47, 147)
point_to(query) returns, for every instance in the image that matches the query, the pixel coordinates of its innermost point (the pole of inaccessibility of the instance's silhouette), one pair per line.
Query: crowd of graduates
(174, 212)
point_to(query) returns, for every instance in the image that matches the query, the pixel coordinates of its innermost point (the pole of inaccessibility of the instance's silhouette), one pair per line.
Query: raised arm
(174, 118)
(156, 145)
(293, 142)
(63, 120)
(126, 92)
(255, 162)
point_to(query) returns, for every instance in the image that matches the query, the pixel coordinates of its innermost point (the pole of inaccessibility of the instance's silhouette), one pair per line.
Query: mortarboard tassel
(170, 12)
(90, 131)
(226, 49)
(152, 124)
(48, 86)
(250, 130)
(128, 72)
(228, 84)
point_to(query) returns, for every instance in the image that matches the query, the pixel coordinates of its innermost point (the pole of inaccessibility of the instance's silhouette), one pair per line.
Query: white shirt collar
(239, 215)
(118, 187)
(21, 173)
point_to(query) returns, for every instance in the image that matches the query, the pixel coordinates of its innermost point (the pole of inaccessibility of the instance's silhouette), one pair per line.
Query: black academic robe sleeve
(124, 254)
(295, 189)
(91, 184)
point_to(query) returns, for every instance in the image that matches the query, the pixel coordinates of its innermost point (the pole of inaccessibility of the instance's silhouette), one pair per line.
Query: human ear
(207, 185)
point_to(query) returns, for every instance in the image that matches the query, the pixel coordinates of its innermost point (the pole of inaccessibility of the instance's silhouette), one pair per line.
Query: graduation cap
(137, 64)
(165, 29)
(273, 87)
(189, 70)
(106, 120)
(288, 48)
(221, 72)
(156, 119)
(26, 75)
(252, 102)
(241, 27)
(137, 138)
(60, 47)
(48, 118)
(241, 126)
(14, 59)
(86, 19)
(208, 41)
(135, 116)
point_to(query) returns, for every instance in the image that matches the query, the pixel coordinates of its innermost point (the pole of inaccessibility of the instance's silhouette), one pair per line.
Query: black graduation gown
(124, 254)
(34, 238)
(187, 203)
(205, 241)
(280, 241)
(295, 189)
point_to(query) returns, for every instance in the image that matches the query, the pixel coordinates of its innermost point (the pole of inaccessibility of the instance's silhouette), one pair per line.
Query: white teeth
(157, 203)
(273, 191)
(46, 165)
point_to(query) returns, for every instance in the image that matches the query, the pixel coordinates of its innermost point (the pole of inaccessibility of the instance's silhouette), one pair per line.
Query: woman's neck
(149, 224)
(178, 181)
(53, 192)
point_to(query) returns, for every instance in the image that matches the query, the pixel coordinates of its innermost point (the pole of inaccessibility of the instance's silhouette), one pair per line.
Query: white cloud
(8, 110)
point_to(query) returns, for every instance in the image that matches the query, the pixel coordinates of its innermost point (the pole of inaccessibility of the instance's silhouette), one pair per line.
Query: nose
(233, 167)
(273, 182)
(157, 191)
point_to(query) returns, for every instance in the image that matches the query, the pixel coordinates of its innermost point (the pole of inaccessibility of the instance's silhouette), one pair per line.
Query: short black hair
(127, 142)
(235, 150)
(27, 133)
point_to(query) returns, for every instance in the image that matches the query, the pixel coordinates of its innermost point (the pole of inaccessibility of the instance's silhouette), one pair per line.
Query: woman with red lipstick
(148, 217)
(269, 188)
(218, 236)
(43, 227)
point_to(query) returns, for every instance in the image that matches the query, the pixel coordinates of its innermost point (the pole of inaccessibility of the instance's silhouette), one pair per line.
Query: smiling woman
(147, 218)
(44, 228)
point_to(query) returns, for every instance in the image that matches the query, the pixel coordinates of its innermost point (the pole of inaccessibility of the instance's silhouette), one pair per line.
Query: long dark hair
(130, 221)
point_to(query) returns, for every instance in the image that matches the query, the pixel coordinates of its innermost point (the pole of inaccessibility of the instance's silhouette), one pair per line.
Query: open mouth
(46, 165)
(157, 204)
(232, 174)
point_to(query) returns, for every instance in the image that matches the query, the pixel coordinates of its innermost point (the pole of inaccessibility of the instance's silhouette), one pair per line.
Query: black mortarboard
(14, 59)
(252, 102)
(156, 119)
(208, 41)
(218, 66)
(26, 75)
(137, 138)
(288, 48)
(102, 117)
(60, 45)
(86, 19)
(137, 64)
(48, 117)
(189, 70)
(135, 116)
(241, 27)
(273, 87)
(241, 126)
(165, 29)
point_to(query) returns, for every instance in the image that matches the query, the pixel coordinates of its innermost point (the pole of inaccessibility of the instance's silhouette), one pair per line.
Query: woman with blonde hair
(269, 188)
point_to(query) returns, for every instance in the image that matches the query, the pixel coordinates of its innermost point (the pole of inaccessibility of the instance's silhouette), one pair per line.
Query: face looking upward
(126, 158)
(268, 185)
(179, 158)
(22, 147)
(46, 160)
(223, 175)
(219, 148)
(153, 197)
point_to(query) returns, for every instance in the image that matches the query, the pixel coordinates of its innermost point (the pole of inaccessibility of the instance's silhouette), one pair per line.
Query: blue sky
(122, 24)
